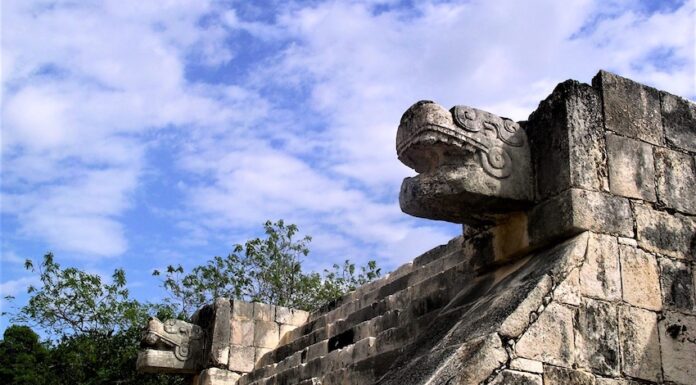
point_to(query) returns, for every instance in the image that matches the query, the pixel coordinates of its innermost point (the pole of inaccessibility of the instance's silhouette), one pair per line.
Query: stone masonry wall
(242, 333)
(628, 314)
(592, 283)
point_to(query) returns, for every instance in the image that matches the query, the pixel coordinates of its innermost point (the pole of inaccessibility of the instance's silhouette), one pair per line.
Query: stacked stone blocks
(592, 284)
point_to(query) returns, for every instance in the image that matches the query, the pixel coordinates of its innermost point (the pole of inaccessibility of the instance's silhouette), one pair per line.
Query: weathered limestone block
(526, 365)
(600, 275)
(173, 346)
(264, 312)
(284, 315)
(473, 166)
(475, 361)
(630, 109)
(242, 310)
(597, 337)
(640, 278)
(554, 375)
(260, 353)
(242, 332)
(660, 232)
(574, 211)
(216, 376)
(631, 168)
(566, 137)
(513, 377)
(550, 339)
(676, 180)
(640, 345)
(266, 334)
(679, 120)
(678, 343)
(568, 291)
(677, 285)
(220, 334)
(518, 321)
(242, 358)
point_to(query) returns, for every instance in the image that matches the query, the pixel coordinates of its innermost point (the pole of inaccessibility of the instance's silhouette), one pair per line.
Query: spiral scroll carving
(494, 157)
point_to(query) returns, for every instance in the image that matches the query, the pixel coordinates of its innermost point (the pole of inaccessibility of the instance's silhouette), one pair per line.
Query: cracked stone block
(640, 345)
(671, 235)
(600, 275)
(259, 353)
(216, 376)
(284, 330)
(242, 332)
(631, 168)
(517, 322)
(576, 210)
(526, 365)
(676, 180)
(568, 291)
(242, 310)
(678, 343)
(679, 121)
(630, 109)
(289, 316)
(264, 312)
(513, 377)
(266, 334)
(566, 136)
(221, 334)
(677, 285)
(241, 358)
(640, 278)
(550, 339)
(554, 375)
(597, 337)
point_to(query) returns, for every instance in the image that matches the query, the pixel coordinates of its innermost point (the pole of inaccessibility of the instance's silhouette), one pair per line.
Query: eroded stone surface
(640, 345)
(676, 180)
(640, 278)
(677, 284)
(554, 375)
(597, 337)
(679, 120)
(630, 109)
(660, 232)
(600, 275)
(550, 339)
(513, 377)
(631, 168)
(678, 342)
(215, 376)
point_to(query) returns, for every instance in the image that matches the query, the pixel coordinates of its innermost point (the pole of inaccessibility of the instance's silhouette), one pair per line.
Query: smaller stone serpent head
(474, 166)
(172, 345)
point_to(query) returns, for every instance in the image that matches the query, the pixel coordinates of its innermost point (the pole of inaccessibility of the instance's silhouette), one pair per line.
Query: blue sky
(139, 133)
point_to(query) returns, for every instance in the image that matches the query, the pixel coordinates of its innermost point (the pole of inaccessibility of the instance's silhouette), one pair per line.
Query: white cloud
(85, 102)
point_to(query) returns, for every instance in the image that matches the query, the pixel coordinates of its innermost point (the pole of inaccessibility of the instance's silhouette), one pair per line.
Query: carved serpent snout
(473, 165)
(179, 337)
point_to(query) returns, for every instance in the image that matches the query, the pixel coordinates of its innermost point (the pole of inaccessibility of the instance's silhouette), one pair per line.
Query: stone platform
(575, 266)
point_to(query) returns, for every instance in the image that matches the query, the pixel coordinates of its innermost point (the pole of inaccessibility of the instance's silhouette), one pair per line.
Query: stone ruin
(575, 265)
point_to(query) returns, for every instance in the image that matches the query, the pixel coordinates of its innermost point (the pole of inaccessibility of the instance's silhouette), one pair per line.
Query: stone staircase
(359, 334)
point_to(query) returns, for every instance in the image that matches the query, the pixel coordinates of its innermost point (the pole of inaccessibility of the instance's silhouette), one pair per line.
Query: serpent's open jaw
(465, 157)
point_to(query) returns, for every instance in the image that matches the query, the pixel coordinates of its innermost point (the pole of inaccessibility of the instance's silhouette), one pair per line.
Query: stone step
(442, 251)
(386, 333)
(423, 297)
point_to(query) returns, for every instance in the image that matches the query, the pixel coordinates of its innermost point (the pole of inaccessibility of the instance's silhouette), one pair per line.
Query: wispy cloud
(287, 112)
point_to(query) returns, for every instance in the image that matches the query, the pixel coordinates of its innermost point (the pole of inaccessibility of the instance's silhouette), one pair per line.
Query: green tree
(267, 270)
(70, 301)
(94, 325)
(23, 359)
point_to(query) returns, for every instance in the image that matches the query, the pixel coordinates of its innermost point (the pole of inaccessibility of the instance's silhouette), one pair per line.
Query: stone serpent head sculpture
(474, 167)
